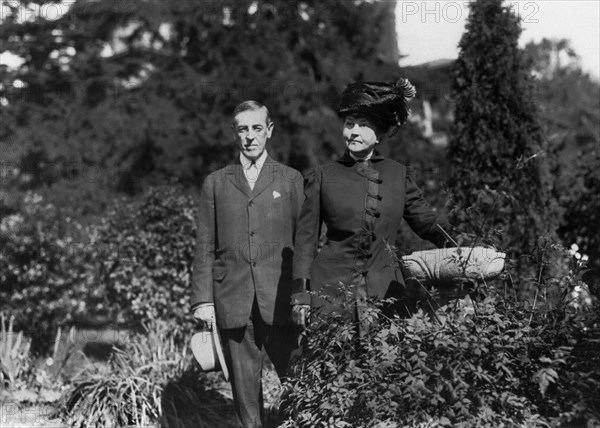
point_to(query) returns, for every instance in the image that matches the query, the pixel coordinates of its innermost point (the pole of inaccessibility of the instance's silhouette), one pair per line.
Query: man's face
(251, 131)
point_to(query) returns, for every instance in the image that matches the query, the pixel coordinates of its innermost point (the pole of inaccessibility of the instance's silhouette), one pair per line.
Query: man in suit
(242, 267)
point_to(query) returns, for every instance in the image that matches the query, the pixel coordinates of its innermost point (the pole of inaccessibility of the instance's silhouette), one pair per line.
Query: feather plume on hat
(385, 103)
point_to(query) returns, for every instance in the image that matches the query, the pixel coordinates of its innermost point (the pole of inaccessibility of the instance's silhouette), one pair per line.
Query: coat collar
(259, 162)
(266, 176)
(346, 159)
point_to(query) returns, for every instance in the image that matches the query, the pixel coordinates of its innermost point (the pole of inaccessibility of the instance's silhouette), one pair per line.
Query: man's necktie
(252, 174)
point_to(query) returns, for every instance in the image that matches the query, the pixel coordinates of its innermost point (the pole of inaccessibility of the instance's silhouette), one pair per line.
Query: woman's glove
(300, 314)
(300, 302)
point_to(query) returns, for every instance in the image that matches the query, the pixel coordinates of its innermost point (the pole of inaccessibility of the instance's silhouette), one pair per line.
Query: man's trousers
(245, 349)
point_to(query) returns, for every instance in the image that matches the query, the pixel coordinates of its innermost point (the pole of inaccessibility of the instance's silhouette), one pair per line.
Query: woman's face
(360, 135)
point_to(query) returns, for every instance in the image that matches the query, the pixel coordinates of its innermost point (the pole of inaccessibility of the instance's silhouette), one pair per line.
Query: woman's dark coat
(362, 204)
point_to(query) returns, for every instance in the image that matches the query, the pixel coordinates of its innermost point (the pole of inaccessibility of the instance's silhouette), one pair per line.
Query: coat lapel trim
(346, 159)
(237, 178)
(266, 177)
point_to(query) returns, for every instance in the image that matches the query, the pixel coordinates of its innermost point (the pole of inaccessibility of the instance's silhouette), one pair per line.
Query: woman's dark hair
(384, 104)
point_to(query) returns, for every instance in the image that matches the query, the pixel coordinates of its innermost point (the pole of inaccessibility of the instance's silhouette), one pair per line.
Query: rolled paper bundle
(453, 264)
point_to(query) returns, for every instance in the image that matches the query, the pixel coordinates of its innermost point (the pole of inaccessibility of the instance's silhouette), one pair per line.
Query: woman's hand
(300, 314)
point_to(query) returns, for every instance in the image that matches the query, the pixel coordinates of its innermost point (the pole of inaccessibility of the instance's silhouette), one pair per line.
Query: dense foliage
(117, 96)
(47, 268)
(473, 363)
(570, 108)
(497, 150)
(131, 267)
(148, 245)
(114, 98)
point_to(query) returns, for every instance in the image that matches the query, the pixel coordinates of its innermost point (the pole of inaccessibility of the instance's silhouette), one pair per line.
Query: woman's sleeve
(420, 216)
(308, 231)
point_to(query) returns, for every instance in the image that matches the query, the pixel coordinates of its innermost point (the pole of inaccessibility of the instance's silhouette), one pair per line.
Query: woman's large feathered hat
(385, 103)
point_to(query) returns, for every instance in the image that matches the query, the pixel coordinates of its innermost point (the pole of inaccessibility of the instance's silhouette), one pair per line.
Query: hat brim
(208, 351)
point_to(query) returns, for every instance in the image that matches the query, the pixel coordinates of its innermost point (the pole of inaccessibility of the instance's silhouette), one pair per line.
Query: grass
(119, 378)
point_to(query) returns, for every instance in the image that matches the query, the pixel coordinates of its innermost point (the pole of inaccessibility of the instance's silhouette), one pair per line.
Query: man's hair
(250, 105)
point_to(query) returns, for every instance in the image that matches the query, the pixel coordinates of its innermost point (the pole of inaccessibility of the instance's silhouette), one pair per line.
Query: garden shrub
(134, 265)
(149, 246)
(569, 352)
(46, 269)
(472, 363)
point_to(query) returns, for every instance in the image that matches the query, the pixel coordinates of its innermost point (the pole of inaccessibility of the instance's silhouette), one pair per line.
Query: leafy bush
(148, 246)
(584, 211)
(568, 98)
(135, 263)
(46, 269)
(469, 364)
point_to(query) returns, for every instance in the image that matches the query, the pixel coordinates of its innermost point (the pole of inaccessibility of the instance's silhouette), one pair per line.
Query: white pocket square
(276, 194)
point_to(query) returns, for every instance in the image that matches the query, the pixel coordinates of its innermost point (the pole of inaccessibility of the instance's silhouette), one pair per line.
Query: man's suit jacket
(245, 243)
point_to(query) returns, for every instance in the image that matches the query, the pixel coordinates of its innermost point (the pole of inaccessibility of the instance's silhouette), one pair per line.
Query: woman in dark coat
(361, 198)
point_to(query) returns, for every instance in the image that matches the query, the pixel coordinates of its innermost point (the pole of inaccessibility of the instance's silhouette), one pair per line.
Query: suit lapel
(265, 178)
(238, 179)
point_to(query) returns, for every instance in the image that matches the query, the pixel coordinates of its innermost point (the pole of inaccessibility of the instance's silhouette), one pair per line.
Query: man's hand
(205, 313)
(300, 315)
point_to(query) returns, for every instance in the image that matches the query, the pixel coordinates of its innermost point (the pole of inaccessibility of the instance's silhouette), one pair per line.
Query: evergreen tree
(499, 176)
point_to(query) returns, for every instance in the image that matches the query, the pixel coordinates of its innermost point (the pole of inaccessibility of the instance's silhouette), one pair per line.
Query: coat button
(250, 203)
(252, 233)
(253, 264)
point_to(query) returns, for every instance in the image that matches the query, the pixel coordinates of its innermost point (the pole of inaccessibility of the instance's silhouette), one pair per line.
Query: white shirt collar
(259, 162)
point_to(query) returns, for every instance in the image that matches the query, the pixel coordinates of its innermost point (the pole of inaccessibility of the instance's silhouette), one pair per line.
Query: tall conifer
(496, 153)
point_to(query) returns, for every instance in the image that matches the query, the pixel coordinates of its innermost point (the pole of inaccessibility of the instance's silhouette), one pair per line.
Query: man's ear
(270, 127)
